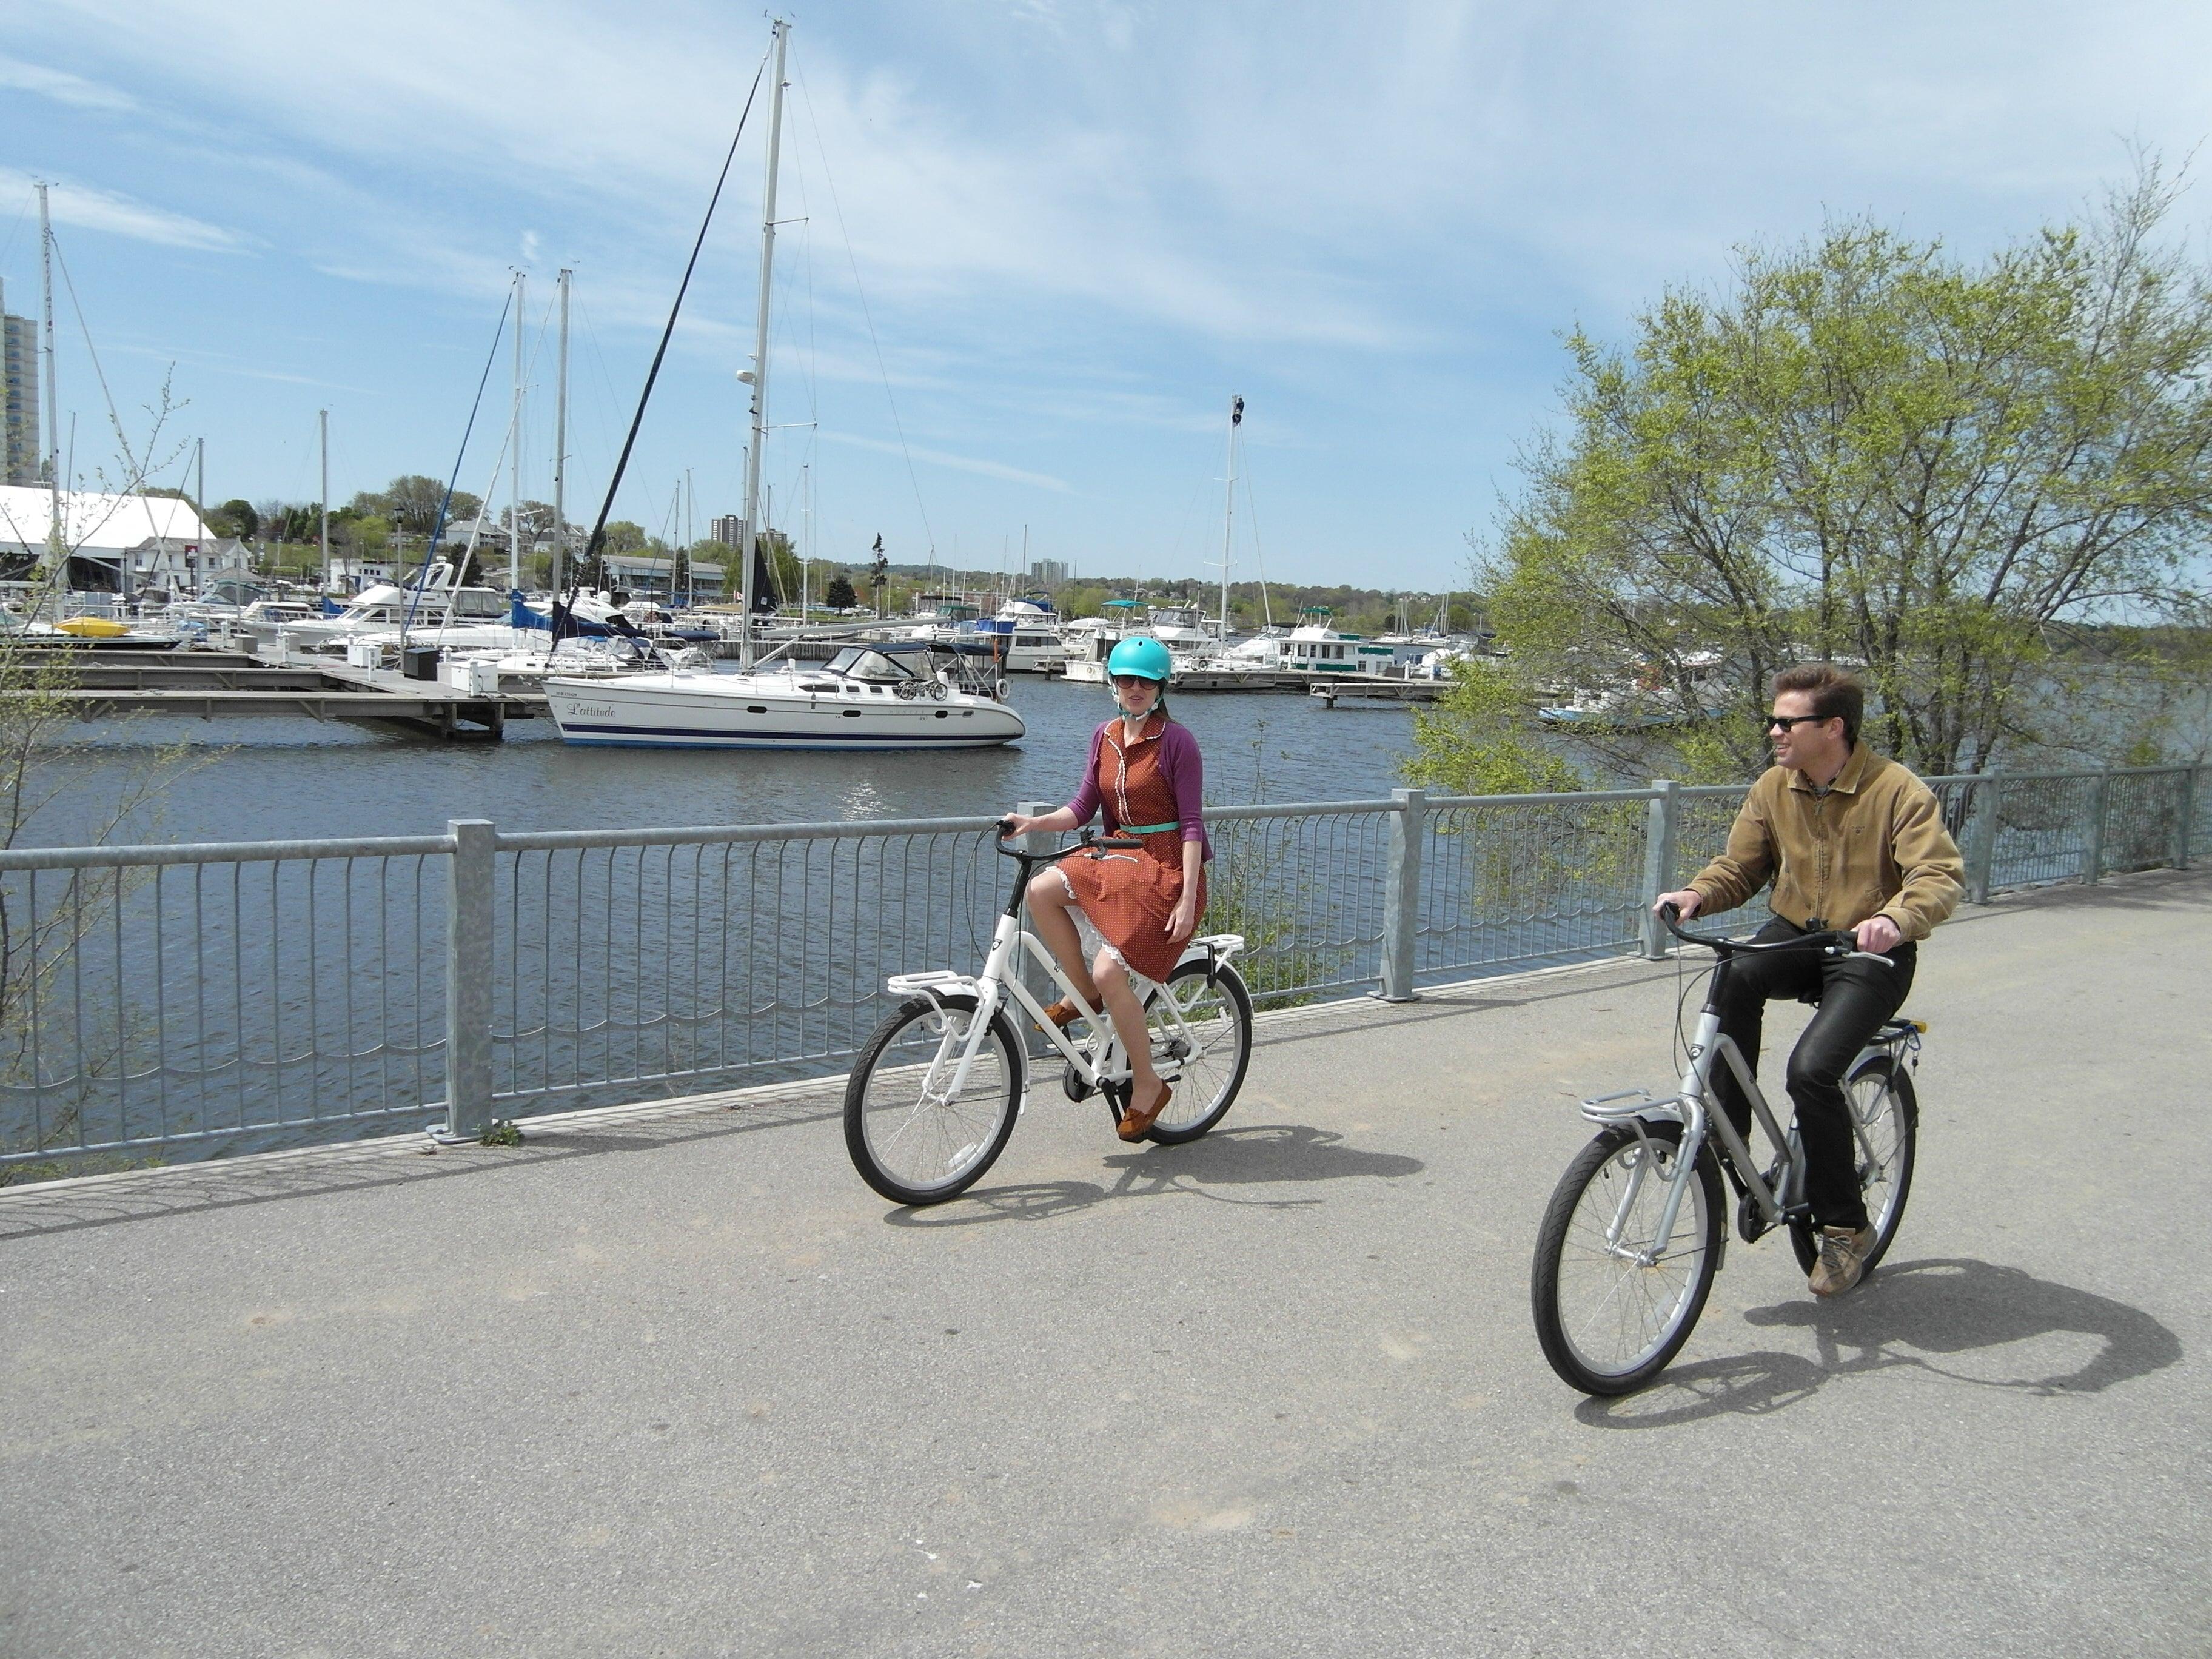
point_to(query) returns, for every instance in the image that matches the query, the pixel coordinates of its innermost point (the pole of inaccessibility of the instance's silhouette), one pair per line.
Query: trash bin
(419, 662)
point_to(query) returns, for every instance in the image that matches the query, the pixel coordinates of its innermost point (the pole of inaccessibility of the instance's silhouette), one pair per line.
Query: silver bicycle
(932, 1098)
(1634, 1233)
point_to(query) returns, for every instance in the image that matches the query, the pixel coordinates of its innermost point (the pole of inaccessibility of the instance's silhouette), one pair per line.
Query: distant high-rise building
(20, 462)
(729, 529)
(1049, 572)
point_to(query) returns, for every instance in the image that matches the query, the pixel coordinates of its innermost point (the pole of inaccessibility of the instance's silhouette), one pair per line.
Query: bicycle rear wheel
(1611, 1312)
(1886, 1127)
(910, 1136)
(1200, 1026)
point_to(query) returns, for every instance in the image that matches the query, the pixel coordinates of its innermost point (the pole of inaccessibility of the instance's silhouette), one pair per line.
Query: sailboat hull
(738, 711)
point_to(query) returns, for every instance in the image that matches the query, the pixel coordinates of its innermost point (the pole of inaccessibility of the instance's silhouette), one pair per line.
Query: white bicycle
(932, 1098)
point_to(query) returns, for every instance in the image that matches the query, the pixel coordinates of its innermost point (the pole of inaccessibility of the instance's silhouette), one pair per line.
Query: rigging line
(599, 530)
(838, 207)
(1259, 559)
(438, 530)
(476, 530)
(93, 351)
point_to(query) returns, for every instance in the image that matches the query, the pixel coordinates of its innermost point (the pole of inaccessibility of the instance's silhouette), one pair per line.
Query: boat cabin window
(858, 662)
(468, 603)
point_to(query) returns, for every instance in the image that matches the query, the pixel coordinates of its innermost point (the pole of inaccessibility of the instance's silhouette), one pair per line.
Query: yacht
(887, 695)
(1024, 638)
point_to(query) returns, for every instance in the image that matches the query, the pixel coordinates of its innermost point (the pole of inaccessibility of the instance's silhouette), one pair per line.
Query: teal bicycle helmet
(1147, 659)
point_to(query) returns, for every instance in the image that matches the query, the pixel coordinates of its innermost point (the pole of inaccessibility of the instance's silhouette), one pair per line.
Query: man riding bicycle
(1852, 842)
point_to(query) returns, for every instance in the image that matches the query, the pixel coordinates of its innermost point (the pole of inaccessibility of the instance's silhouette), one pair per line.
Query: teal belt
(1149, 828)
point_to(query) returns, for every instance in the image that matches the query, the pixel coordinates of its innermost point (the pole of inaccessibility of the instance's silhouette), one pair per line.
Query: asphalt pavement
(671, 1381)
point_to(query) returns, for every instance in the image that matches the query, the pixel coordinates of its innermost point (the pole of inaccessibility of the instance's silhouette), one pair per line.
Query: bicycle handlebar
(1839, 942)
(1086, 843)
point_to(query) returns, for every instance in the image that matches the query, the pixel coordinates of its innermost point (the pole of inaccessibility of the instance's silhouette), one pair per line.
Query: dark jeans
(1855, 998)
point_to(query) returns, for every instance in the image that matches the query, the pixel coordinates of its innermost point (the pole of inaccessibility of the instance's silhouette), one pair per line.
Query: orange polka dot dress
(1150, 788)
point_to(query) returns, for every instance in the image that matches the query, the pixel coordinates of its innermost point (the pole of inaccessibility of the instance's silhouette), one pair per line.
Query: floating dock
(211, 684)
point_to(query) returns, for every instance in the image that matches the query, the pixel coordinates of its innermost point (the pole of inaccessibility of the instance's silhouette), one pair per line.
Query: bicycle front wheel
(1200, 1026)
(1612, 1305)
(1886, 1136)
(913, 1136)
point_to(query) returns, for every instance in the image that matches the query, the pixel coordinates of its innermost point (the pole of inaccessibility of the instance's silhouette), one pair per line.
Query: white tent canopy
(95, 525)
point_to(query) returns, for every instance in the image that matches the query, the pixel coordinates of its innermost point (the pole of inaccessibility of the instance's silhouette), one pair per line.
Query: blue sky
(1077, 227)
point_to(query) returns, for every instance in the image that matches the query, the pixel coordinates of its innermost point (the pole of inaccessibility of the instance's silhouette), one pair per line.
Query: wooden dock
(1372, 690)
(212, 684)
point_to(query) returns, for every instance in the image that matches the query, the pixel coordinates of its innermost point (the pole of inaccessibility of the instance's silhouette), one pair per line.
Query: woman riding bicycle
(1146, 772)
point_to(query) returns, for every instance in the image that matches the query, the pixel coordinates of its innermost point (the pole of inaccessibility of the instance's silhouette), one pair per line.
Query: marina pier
(230, 685)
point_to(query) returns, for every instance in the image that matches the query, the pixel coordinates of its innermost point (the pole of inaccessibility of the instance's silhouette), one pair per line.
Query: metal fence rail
(192, 1001)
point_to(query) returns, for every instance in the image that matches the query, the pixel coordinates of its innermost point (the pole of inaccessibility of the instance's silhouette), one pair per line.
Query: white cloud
(61, 87)
(89, 208)
(958, 463)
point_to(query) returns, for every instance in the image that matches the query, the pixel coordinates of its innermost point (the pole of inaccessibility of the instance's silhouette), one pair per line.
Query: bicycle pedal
(1751, 1223)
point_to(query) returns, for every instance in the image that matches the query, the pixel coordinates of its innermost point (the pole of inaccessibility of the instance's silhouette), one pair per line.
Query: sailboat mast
(514, 471)
(751, 552)
(1228, 512)
(55, 537)
(561, 447)
(323, 442)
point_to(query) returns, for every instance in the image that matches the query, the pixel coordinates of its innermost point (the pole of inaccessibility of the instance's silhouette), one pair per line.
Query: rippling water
(269, 780)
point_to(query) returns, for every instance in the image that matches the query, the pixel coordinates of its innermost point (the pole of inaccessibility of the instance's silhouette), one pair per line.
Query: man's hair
(1837, 693)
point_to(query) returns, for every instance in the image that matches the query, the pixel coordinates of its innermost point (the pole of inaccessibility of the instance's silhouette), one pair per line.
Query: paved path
(676, 1383)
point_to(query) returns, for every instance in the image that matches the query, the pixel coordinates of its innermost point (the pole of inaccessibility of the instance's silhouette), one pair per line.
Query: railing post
(2184, 812)
(1662, 851)
(1982, 835)
(468, 977)
(1401, 892)
(1031, 973)
(2092, 862)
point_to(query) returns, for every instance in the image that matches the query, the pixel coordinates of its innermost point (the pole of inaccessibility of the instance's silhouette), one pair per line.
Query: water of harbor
(296, 779)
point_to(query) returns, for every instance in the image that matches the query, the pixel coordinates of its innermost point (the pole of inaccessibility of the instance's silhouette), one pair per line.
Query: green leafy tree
(840, 596)
(1866, 450)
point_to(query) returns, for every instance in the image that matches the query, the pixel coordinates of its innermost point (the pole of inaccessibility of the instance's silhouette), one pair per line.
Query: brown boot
(1063, 1013)
(1136, 1125)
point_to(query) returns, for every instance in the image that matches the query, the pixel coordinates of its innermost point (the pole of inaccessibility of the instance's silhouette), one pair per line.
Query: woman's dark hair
(1837, 693)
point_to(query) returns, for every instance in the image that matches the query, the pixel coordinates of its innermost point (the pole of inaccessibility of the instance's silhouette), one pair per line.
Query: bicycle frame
(1692, 1106)
(1104, 1063)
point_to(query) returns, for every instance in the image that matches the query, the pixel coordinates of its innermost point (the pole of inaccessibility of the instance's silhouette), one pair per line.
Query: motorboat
(385, 608)
(1024, 638)
(896, 695)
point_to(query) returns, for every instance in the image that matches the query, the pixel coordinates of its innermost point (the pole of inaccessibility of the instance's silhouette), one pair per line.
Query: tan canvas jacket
(1874, 843)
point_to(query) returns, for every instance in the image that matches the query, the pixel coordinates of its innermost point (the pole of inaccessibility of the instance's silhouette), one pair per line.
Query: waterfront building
(116, 542)
(727, 528)
(1049, 572)
(20, 462)
(642, 573)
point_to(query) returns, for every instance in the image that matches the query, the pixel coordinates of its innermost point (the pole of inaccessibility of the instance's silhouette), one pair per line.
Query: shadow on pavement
(1954, 1318)
(1260, 1155)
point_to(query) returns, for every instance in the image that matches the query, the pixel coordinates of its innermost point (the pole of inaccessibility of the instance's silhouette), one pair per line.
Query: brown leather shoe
(1063, 1013)
(1136, 1125)
(1844, 1251)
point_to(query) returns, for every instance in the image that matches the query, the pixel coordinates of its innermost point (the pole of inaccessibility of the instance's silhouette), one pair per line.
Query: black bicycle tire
(1551, 1242)
(1802, 1239)
(1240, 998)
(856, 1093)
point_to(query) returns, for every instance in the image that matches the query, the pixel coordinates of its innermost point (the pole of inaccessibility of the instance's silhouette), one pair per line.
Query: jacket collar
(1860, 761)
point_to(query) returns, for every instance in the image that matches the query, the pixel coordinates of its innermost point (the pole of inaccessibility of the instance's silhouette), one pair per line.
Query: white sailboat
(873, 697)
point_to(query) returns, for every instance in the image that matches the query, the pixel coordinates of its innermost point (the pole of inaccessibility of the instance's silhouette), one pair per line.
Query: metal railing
(196, 1000)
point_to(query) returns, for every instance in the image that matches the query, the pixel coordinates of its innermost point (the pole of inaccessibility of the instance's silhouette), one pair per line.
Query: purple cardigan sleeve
(1087, 798)
(1186, 774)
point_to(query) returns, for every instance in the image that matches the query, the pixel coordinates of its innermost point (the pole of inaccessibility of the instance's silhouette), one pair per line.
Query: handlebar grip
(1120, 842)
